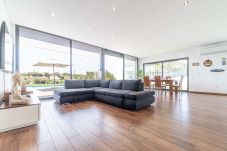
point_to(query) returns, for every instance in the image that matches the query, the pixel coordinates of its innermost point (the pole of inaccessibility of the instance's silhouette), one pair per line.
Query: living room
(113, 75)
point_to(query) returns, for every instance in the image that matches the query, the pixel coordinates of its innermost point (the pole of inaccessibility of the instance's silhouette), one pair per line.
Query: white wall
(11, 28)
(200, 77)
(4, 17)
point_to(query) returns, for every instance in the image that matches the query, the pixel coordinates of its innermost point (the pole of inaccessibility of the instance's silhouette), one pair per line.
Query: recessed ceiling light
(114, 9)
(52, 14)
(186, 3)
(194, 22)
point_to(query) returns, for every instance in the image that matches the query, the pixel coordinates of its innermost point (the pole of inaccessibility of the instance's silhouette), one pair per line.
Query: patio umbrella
(51, 63)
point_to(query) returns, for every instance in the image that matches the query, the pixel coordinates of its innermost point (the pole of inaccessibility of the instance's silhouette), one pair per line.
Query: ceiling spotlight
(114, 9)
(194, 22)
(186, 3)
(52, 14)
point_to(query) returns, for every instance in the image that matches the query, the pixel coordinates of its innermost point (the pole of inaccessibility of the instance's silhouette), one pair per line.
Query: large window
(130, 68)
(153, 69)
(113, 66)
(173, 68)
(44, 60)
(176, 69)
(85, 62)
(8, 52)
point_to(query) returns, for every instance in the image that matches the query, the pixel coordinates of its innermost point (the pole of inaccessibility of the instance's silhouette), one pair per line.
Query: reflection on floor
(187, 122)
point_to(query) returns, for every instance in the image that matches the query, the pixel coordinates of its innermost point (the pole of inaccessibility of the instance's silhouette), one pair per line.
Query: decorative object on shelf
(223, 61)
(16, 97)
(217, 70)
(195, 64)
(208, 63)
(23, 101)
(16, 89)
(23, 86)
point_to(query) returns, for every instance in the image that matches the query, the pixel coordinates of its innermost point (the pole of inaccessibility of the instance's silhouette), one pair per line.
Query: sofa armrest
(139, 95)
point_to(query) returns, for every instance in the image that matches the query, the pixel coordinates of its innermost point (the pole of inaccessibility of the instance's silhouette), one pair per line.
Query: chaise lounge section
(127, 94)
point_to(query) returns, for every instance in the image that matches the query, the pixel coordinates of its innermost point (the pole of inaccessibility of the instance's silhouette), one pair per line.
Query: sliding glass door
(153, 69)
(176, 69)
(85, 62)
(130, 67)
(113, 67)
(172, 68)
(44, 61)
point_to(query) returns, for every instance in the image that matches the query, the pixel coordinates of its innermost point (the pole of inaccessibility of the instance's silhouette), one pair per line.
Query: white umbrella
(51, 63)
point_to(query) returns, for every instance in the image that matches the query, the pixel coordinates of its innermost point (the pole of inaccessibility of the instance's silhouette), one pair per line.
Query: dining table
(170, 81)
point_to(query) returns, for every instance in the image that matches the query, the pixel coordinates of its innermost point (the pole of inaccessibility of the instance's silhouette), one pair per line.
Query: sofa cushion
(115, 84)
(91, 83)
(112, 92)
(73, 92)
(133, 85)
(104, 83)
(139, 95)
(72, 84)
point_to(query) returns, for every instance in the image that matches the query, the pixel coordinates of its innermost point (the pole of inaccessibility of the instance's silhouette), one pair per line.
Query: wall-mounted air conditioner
(213, 48)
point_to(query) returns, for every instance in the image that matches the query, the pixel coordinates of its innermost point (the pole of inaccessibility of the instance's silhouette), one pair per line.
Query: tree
(109, 76)
(90, 76)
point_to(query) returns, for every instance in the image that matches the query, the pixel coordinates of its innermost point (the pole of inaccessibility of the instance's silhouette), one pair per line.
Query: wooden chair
(178, 87)
(147, 83)
(158, 84)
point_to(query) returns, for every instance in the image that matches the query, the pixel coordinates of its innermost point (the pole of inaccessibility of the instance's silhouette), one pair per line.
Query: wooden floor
(189, 122)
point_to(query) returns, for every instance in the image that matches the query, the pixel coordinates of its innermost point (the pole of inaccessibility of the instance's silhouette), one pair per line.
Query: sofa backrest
(104, 83)
(73, 84)
(133, 85)
(91, 83)
(115, 84)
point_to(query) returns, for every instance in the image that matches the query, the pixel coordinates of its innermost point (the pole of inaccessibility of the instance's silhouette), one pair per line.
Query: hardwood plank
(47, 146)
(187, 122)
(55, 113)
(91, 139)
(59, 139)
(79, 143)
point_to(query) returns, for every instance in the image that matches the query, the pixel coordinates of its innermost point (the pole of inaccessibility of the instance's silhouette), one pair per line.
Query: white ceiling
(136, 27)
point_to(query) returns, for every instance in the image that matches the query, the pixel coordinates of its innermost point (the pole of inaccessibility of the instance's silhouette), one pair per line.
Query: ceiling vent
(213, 48)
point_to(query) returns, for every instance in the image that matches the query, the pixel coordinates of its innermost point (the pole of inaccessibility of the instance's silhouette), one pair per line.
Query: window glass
(130, 69)
(85, 64)
(152, 70)
(176, 69)
(34, 55)
(113, 67)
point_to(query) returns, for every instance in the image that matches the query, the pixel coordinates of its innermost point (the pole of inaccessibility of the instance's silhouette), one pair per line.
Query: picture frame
(208, 63)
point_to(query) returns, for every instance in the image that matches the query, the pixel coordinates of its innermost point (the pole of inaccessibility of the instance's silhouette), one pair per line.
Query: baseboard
(209, 93)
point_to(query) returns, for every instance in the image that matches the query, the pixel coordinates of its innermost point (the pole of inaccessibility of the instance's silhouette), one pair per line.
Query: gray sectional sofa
(128, 94)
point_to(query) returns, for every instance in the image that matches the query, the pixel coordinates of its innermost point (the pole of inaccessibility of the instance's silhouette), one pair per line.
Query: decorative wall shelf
(217, 70)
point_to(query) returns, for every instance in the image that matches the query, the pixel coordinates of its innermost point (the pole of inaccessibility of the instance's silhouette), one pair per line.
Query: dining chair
(178, 87)
(158, 84)
(147, 83)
